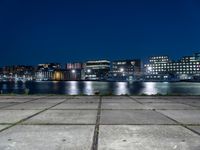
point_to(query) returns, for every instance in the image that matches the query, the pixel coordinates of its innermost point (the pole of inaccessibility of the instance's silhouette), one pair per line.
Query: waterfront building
(50, 71)
(97, 70)
(162, 68)
(49, 66)
(75, 71)
(17, 72)
(126, 70)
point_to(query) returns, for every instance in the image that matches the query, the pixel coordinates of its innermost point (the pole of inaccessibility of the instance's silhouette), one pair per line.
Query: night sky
(39, 31)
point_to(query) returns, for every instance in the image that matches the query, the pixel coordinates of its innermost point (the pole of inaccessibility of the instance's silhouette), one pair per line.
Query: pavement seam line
(179, 123)
(22, 120)
(134, 99)
(34, 99)
(96, 130)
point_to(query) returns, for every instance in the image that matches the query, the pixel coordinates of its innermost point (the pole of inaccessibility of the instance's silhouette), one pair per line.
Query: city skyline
(84, 61)
(48, 31)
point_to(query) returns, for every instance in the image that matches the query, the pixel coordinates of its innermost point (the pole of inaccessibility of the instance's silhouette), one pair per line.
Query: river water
(92, 87)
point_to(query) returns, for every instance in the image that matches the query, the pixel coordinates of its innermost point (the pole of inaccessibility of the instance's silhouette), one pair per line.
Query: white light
(149, 68)
(88, 70)
(73, 71)
(121, 69)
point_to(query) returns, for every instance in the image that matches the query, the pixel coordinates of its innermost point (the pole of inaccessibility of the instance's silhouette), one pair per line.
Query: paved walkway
(103, 123)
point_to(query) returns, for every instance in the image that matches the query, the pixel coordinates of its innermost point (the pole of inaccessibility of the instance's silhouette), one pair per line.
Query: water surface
(90, 87)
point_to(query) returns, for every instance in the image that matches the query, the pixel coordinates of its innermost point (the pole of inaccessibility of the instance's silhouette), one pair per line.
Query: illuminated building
(97, 70)
(50, 71)
(75, 71)
(18, 72)
(126, 69)
(161, 68)
(49, 66)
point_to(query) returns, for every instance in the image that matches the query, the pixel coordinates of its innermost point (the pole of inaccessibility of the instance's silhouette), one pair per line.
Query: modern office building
(75, 71)
(162, 68)
(97, 70)
(126, 70)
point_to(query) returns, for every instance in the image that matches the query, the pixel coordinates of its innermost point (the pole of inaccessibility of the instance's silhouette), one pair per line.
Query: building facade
(49, 72)
(126, 70)
(75, 71)
(97, 70)
(162, 68)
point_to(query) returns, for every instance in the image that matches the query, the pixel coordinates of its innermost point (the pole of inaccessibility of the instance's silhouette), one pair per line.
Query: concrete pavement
(103, 123)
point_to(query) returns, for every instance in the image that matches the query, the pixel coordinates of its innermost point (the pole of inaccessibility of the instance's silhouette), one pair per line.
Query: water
(91, 87)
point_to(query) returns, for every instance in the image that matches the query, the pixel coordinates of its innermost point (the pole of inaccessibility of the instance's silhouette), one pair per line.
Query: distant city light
(89, 70)
(121, 69)
(149, 68)
(73, 71)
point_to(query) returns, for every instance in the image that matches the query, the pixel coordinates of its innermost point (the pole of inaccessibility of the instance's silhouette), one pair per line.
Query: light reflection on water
(92, 87)
(73, 88)
(121, 88)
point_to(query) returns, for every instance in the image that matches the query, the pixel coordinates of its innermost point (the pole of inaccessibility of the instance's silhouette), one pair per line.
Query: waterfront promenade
(103, 123)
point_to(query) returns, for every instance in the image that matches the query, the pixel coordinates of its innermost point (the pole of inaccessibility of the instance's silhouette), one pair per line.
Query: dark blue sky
(37, 31)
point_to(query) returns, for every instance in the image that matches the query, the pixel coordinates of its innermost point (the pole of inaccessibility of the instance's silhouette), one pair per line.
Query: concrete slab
(131, 137)
(122, 106)
(195, 128)
(183, 116)
(127, 100)
(84, 100)
(115, 97)
(77, 106)
(12, 116)
(15, 100)
(86, 97)
(167, 106)
(144, 100)
(124, 117)
(27, 106)
(5, 104)
(2, 126)
(22, 97)
(185, 100)
(45, 100)
(64, 117)
(194, 104)
(47, 138)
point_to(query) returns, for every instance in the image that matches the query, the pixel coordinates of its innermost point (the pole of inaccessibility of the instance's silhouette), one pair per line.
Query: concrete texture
(2, 126)
(5, 104)
(64, 117)
(84, 100)
(28, 106)
(77, 106)
(147, 138)
(195, 128)
(124, 117)
(175, 106)
(122, 106)
(12, 116)
(118, 100)
(47, 138)
(105, 123)
(183, 116)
